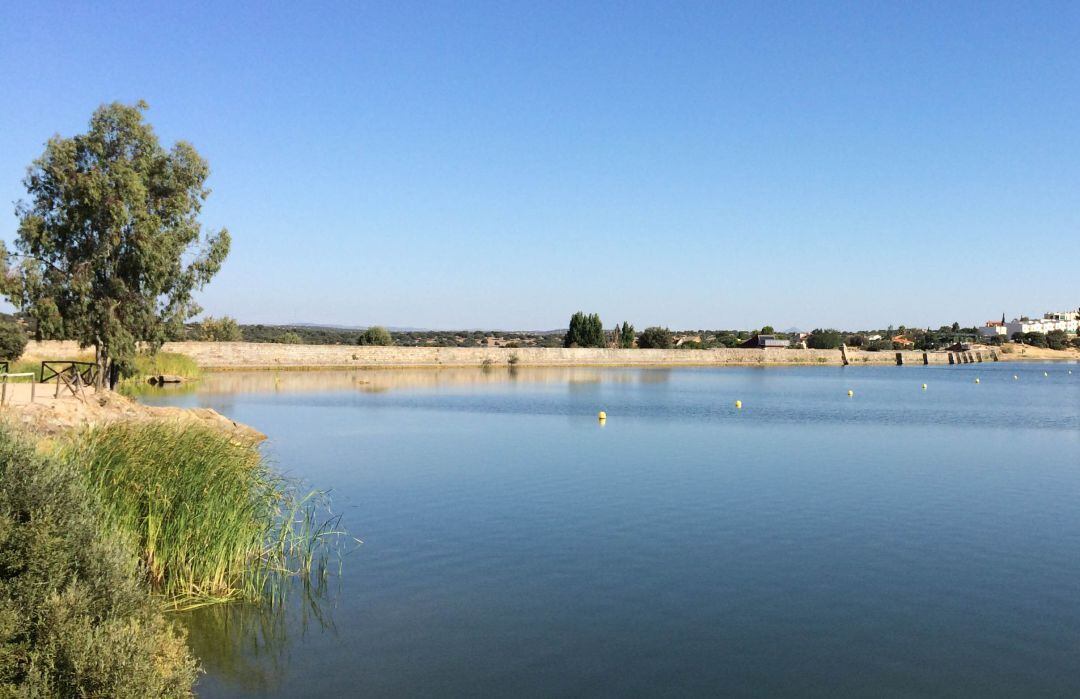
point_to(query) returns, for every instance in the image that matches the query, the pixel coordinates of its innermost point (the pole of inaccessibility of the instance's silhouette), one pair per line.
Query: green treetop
(110, 244)
(585, 331)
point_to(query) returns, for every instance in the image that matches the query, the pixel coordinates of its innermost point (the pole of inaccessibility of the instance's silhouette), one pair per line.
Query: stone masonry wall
(240, 355)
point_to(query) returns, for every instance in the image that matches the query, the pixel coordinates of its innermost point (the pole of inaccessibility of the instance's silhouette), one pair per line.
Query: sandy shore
(47, 414)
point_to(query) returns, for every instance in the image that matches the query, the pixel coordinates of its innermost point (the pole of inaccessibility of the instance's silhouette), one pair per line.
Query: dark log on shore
(164, 379)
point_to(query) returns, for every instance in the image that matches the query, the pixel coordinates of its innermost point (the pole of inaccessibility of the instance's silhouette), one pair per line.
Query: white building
(1069, 321)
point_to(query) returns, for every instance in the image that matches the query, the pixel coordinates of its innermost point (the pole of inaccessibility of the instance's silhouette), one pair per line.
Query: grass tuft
(210, 520)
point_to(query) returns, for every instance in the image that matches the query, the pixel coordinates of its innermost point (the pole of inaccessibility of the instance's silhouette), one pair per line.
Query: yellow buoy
(601, 415)
(850, 393)
(924, 387)
(738, 404)
(976, 381)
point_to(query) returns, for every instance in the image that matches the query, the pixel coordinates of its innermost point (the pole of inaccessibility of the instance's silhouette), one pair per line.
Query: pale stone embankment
(250, 355)
(255, 355)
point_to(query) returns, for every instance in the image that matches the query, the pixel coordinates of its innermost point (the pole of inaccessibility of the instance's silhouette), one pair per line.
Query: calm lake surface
(898, 542)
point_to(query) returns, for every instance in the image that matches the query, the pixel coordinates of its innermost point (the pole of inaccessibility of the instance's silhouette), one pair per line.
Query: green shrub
(375, 335)
(12, 341)
(1057, 340)
(655, 338)
(290, 338)
(75, 618)
(1035, 339)
(824, 339)
(206, 515)
(223, 329)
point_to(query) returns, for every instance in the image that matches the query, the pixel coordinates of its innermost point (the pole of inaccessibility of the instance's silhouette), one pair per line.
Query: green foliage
(12, 341)
(208, 518)
(75, 618)
(290, 338)
(655, 338)
(855, 341)
(223, 329)
(375, 335)
(824, 339)
(1057, 340)
(159, 363)
(767, 330)
(1034, 339)
(585, 331)
(111, 246)
(624, 336)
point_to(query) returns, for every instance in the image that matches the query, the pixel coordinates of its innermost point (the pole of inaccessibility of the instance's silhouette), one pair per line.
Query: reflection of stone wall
(238, 355)
(377, 380)
(230, 355)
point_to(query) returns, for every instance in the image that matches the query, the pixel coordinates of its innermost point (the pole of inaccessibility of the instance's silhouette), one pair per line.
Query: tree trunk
(101, 358)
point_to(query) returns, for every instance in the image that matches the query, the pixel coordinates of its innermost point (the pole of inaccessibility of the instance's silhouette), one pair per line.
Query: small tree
(624, 336)
(585, 331)
(767, 330)
(290, 338)
(12, 341)
(110, 240)
(655, 338)
(375, 335)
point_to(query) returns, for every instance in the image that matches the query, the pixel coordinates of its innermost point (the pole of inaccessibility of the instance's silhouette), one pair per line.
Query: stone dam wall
(250, 355)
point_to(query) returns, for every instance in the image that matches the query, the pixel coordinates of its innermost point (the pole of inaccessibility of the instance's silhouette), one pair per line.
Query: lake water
(897, 542)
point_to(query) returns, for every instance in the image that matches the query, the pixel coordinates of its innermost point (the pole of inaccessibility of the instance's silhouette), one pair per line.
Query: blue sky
(501, 165)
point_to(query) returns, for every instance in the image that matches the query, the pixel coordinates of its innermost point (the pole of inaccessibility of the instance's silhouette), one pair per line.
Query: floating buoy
(601, 416)
(1015, 377)
(738, 404)
(976, 381)
(1045, 374)
(850, 393)
(924, 387)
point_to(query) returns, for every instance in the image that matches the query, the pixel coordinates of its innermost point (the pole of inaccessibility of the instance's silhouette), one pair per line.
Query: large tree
(110, 248)
(585, 331)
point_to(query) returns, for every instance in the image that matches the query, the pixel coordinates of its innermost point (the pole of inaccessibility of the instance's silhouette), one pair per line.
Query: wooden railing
(57, 371)
(73, 376)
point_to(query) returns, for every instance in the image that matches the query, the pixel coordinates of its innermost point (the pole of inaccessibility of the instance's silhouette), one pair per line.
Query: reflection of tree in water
(245, 646)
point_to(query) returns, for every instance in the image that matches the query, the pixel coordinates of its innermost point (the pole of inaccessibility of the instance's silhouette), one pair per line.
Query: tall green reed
(208, 516)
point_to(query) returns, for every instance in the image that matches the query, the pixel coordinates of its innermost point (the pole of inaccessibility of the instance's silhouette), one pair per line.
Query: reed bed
(211, 521)
(159, 363)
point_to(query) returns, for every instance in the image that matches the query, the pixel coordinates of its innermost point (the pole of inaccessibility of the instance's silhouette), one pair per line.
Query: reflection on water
(245, 647)
(380, 380)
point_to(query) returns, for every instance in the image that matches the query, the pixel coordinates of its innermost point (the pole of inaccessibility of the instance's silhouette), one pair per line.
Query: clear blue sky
(501, 165)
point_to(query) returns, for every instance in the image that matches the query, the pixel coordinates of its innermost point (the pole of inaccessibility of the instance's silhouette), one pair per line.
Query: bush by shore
(105, 531)
(76, 618)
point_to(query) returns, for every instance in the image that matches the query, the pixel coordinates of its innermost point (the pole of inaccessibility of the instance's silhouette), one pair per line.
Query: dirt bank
(47, 415)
